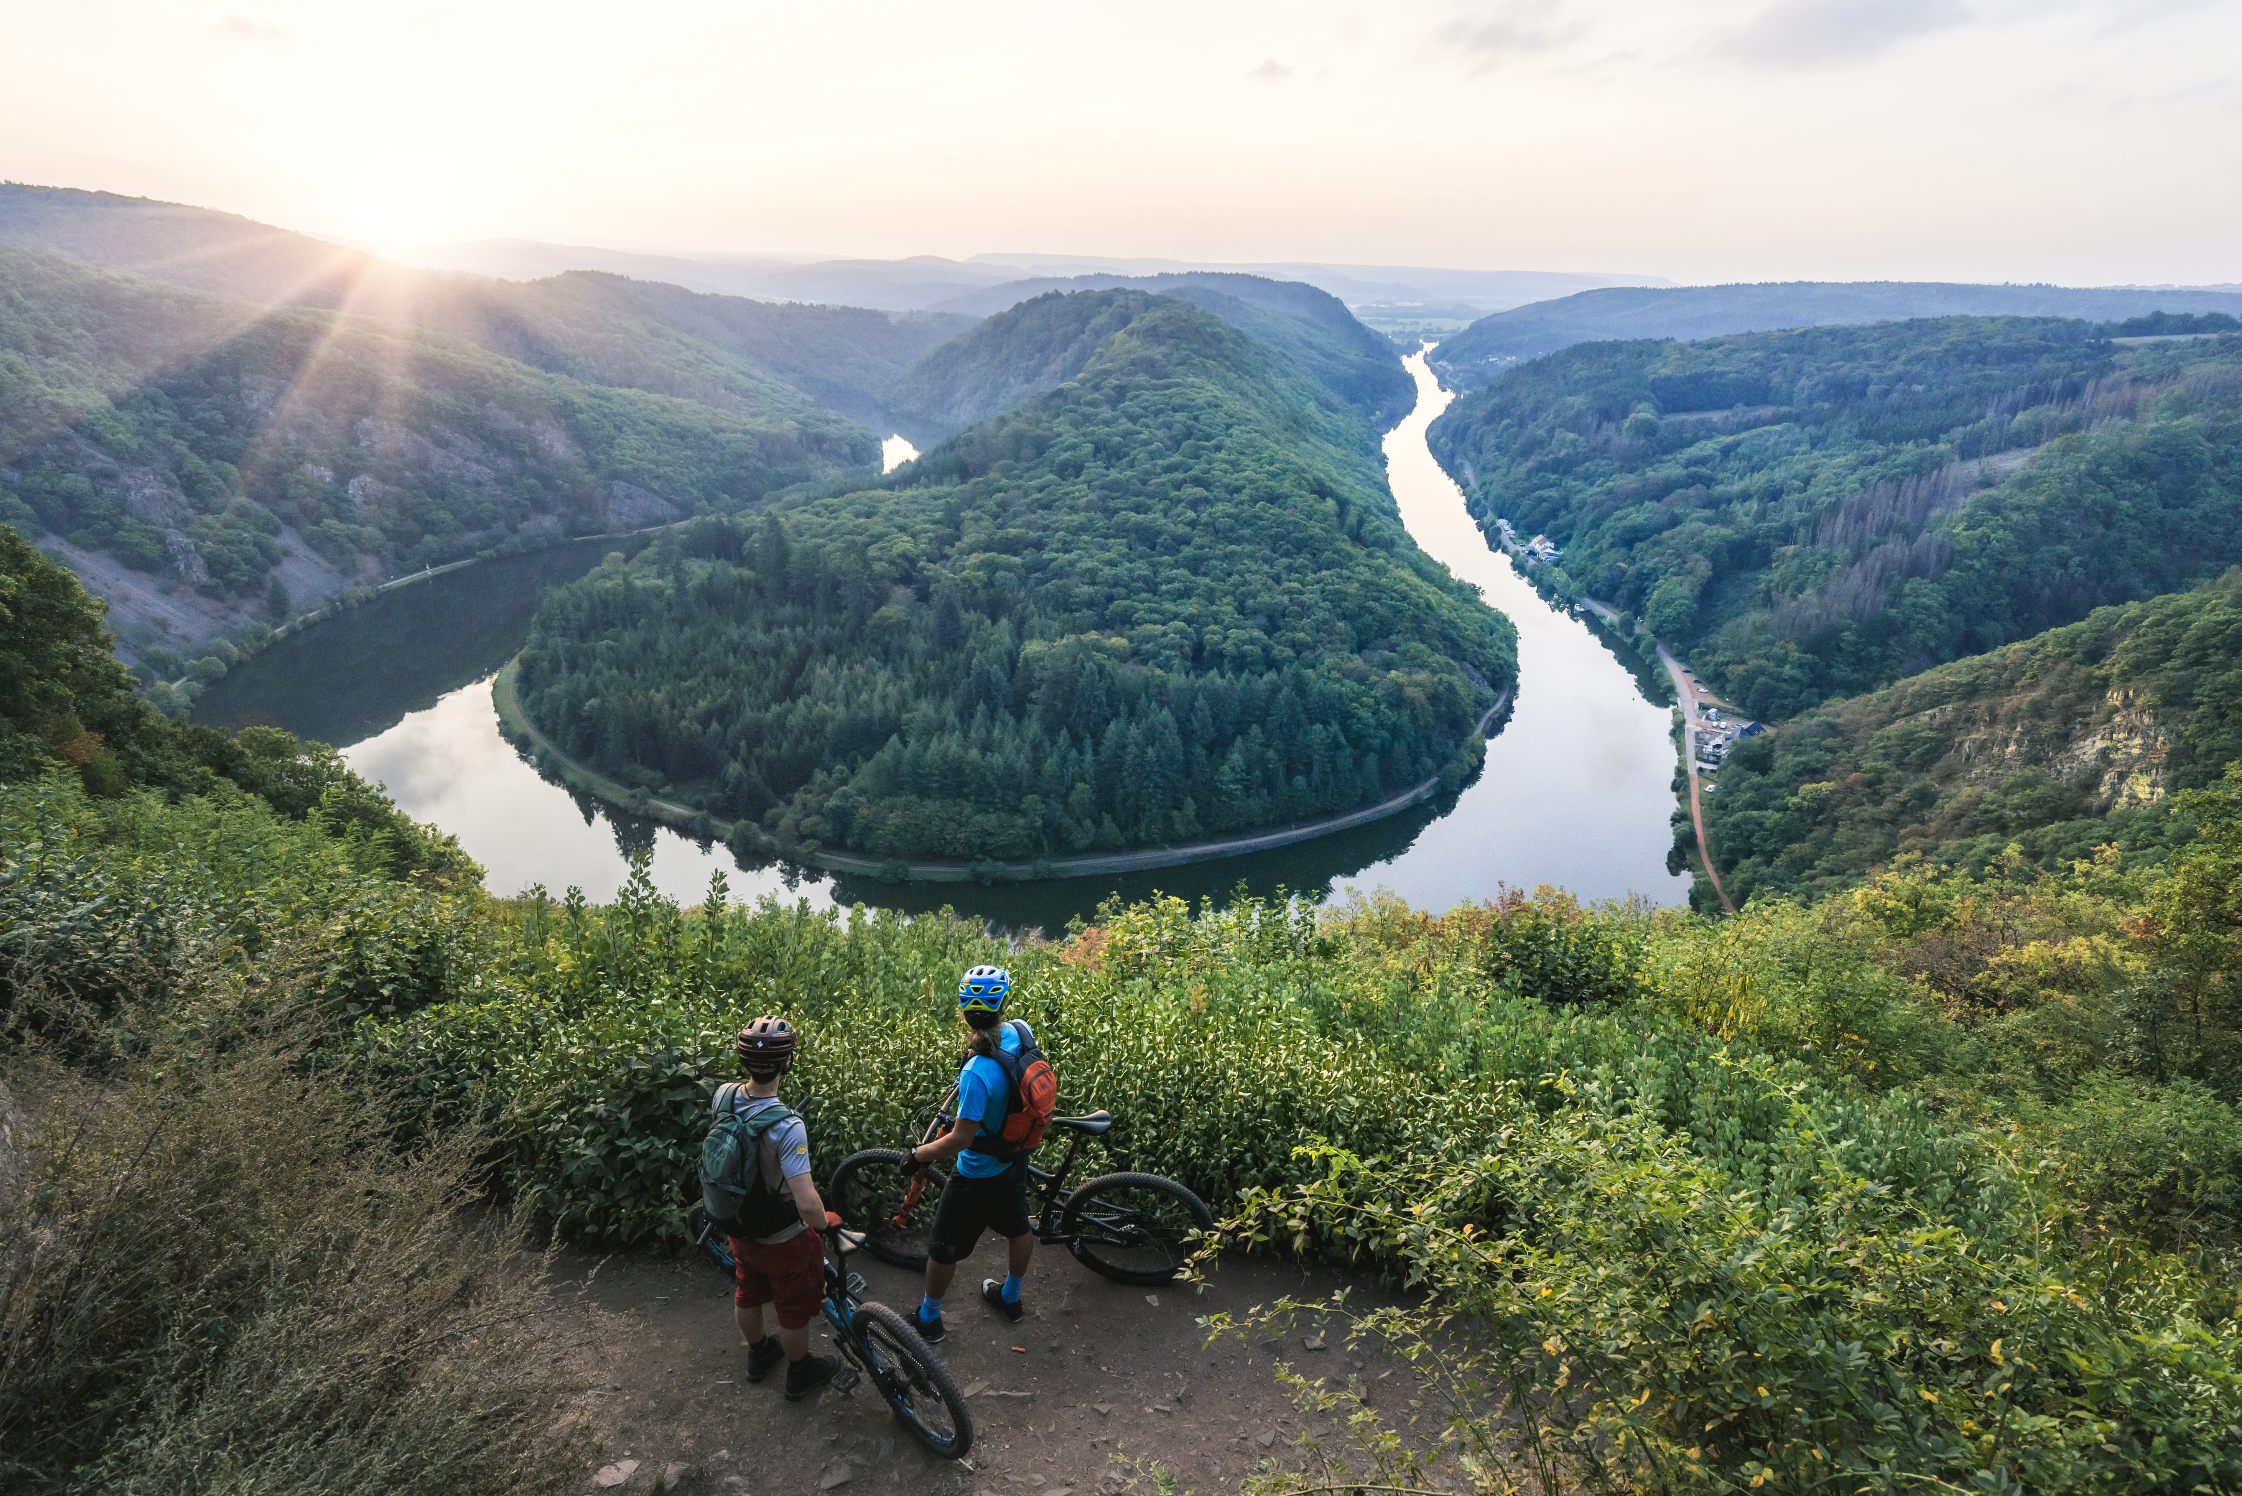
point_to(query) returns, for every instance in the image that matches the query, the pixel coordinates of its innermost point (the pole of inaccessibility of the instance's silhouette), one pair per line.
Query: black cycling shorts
(969, 1207)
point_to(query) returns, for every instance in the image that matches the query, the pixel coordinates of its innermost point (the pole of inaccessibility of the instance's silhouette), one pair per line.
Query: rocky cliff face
(2115, 751)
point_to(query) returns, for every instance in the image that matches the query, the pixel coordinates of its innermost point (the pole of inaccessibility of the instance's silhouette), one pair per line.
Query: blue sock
(930, 1308)
(1011, 1289)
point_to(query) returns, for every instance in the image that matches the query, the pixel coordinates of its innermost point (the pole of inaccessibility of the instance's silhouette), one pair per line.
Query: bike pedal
(844, 1379)
(856, 1283)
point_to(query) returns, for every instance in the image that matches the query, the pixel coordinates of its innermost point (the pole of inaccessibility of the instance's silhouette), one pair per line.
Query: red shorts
(790, 1275)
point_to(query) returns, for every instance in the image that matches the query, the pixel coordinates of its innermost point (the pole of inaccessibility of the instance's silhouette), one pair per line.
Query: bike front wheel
(1134, 1228)
(916, 1385)
(894, 1209)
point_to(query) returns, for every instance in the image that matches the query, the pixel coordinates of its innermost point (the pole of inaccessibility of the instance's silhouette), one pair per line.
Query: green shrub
(101, 898)
(1642, 1318)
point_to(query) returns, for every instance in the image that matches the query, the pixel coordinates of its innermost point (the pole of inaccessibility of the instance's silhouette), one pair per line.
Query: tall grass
(218, 1273)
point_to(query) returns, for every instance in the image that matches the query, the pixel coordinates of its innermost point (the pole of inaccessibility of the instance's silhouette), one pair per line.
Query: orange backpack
(1031, 1099)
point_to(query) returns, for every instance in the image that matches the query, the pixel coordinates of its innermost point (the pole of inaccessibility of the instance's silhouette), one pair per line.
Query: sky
(2077, 141)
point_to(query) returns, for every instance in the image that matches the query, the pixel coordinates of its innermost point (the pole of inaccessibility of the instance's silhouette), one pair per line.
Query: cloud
(1515, 28)
(1832, 33)
(1271, 71)
(242, 29)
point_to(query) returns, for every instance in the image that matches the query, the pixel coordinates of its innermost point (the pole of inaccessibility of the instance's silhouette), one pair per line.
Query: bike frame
(844, 1290)
(1049, 1184)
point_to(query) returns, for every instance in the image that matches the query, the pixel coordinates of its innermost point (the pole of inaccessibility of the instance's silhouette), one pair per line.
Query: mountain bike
(877, 1341)
(1131, 1228)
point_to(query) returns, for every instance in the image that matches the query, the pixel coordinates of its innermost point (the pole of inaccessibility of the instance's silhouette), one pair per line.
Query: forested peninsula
(1824, 511)
(1170, 597)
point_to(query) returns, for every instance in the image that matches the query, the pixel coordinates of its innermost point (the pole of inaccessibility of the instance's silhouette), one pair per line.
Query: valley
(590, 665)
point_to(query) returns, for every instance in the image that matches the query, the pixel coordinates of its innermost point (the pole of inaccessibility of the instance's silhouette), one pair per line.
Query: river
(1576, 790)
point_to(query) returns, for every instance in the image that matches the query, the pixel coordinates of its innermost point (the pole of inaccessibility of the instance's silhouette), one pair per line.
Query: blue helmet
(984, 989)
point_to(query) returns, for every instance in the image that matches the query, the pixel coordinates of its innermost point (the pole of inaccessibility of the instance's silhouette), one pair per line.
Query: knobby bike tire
(872, 1194)
(915, 1383)
(715, 1247)
(1133, 1228)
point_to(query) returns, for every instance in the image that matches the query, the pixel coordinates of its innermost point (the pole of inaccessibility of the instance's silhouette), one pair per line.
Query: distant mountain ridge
(927, 282)
(1495, 343)
(747, 357)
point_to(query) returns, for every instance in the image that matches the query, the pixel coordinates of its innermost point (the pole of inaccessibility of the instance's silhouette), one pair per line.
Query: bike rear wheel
(916, 1385)
(875, 1196)
(1133, 1228)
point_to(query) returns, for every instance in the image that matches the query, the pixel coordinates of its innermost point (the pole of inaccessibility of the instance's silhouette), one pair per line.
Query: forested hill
(186, 452)
(1821, 512)
(1496, 343)
(761, 359)
(2057, 745)
(1311, 325)
(1036, 346)
(1171, 597)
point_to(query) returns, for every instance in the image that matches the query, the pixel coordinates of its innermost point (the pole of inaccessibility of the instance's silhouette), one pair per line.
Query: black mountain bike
(877, 1341)
(1131, 1228)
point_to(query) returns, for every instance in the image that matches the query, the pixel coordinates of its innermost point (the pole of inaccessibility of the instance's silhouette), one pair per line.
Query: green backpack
(733, 1192)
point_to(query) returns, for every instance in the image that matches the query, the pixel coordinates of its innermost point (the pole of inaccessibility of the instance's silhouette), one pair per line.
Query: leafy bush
(99, 899)
(1643, 1318)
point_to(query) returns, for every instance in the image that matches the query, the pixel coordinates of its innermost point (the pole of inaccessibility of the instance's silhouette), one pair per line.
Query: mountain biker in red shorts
(785, 1269)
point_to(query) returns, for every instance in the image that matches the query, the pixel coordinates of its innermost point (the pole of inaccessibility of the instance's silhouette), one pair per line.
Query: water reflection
(1576, 789)
(894, 452)
(450, 765)
(360, 673)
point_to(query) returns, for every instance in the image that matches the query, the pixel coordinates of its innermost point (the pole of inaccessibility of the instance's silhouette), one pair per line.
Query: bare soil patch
(1096, 1370)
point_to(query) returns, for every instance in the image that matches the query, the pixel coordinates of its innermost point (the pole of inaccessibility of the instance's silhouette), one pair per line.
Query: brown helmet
(765, 1047)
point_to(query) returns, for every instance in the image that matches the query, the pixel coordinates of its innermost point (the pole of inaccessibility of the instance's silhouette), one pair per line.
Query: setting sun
(400, 205)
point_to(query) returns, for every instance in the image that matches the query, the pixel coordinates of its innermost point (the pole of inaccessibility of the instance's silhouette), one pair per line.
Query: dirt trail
(1686, 688)
(1095, 1370)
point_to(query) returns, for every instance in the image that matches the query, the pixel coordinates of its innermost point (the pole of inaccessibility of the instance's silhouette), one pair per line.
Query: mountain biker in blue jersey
(989, 1189)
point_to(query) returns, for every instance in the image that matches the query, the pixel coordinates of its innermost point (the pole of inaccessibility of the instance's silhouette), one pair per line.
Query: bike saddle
(1093, 1124)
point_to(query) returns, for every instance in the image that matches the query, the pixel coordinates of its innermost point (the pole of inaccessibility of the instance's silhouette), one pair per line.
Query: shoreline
(516, 724)
(1684, 687)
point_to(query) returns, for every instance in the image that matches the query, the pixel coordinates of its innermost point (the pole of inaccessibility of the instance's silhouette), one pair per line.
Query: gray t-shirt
(783, 1153)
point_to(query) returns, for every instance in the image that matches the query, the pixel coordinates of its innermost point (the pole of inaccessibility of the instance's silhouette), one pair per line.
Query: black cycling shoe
(808, 1374)
(992, 1294)
(763, 1359)
(932, 1331)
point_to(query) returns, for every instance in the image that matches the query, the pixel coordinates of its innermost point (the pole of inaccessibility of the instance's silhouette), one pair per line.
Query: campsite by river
(1576, 790)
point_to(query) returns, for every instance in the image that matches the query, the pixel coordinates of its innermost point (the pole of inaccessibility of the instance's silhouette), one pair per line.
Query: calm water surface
(1575, 791)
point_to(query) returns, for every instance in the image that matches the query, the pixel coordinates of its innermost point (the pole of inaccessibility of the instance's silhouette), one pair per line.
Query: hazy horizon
(1711, 141)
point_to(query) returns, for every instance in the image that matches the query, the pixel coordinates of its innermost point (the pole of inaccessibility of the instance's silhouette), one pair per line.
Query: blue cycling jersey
(981, 1097)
